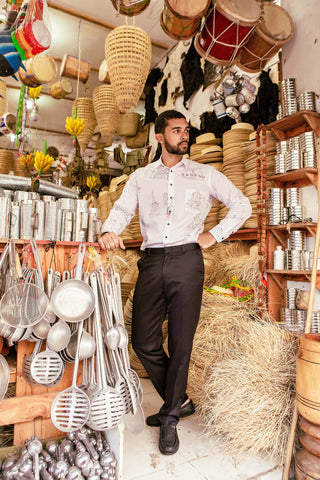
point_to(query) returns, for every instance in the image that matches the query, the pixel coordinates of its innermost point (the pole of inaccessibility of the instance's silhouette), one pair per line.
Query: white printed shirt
(174, 202)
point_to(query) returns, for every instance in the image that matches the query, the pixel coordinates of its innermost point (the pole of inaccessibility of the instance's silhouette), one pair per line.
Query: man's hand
(110, 241)
(206, 240)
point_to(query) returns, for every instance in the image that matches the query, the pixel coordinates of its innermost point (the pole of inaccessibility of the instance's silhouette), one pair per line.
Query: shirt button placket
(169, 207)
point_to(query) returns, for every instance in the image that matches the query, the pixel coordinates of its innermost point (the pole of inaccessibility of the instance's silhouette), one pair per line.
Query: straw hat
(207, 138)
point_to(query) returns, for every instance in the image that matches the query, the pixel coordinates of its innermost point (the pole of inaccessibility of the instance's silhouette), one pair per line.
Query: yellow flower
(27, 160)
(34, 92)
(74, 126)
(42, 162)
(92, 182)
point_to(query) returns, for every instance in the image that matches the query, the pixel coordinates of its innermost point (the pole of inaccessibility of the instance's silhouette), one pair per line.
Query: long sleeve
(124, 208)
(237, 203)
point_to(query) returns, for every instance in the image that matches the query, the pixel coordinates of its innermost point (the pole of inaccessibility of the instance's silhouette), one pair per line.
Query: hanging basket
(128, 124)
(128, 55)
(106, 109)
(131, 7)
(85, 110)
(3, 97)
(18, 169)
(6, 161)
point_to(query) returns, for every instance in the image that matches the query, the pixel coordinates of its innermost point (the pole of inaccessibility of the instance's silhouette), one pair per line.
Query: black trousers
(170, 280)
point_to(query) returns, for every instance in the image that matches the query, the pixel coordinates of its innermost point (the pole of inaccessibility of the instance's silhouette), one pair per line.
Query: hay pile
(242, 377)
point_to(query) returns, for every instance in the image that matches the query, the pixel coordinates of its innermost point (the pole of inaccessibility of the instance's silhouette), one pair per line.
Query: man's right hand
(110, 241)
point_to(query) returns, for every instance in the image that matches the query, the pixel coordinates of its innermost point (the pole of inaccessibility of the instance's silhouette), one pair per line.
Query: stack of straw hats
(212, 217)
(233, 157)
(85, 110)
(206, 149)
(6, 161)
(250, 170)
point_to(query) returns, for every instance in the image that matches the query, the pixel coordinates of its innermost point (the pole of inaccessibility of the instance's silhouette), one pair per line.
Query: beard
(175, 149)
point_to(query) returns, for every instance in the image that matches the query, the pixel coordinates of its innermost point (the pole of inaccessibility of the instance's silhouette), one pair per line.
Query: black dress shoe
(185, 411)
(168, 441)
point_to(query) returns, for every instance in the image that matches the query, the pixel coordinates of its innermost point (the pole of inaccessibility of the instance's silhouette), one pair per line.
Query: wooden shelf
(244, 234)
(296, 178)
(295, 275)
(293, 125)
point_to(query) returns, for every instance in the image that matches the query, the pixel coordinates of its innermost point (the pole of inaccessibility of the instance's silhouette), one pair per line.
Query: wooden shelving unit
(288, 127)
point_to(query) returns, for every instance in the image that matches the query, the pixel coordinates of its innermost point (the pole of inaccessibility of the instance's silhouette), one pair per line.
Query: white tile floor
(195, 460)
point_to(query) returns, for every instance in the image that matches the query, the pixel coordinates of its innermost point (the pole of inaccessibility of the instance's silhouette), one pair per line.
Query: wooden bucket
(227, 28)
(103, 72)
(40, 69)
(130, 7)
(72, 67)
(308, 377)
(307, 466)
(61, 88)
(275, 29)
(181, 20)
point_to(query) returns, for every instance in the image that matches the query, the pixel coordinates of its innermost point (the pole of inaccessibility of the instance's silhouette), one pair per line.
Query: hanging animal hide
(212, 74)
(191, 71)
(153, 78)
(267, 98)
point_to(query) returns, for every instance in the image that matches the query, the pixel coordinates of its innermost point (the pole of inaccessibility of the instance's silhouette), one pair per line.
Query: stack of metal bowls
(293, 259)
(286, 316)
(289, 97)
(297, 240)
(280, 163)
(293, 196)
(282, 147)
(307, 101)
(290, 295)
(299, 319)
(293, 160)
(308, 148)
(315, 323)
(295, 214)
(275, 206)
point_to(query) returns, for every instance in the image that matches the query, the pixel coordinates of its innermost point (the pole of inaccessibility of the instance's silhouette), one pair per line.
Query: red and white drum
(227, 28)
(275, 29)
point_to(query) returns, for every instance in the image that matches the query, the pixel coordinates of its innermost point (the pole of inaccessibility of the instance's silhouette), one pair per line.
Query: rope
(79, 58)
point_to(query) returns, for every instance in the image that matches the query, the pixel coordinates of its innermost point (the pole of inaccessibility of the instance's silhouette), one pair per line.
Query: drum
(73, 67)
(226, 30)
(8, 124)
(39, 70)
(275, 29)
(103, 72)
(61, 89)
(130, 7)
(181, 20)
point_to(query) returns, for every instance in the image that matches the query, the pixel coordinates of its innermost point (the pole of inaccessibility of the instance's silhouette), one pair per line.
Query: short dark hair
(162, 120)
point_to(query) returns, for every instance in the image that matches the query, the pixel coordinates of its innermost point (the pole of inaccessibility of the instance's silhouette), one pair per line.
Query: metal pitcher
(38, 220)
(94, 225)
(4, 217)
(15, 221)
(50, 222)
(26, 212)
(80, 221)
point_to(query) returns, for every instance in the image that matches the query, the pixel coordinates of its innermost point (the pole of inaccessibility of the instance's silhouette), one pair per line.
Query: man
(174, 196)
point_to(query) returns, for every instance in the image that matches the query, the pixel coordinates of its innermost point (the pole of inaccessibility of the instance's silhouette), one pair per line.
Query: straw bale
(242, 377)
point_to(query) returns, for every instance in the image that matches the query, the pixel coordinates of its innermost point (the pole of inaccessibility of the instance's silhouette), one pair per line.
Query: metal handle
(81, 252)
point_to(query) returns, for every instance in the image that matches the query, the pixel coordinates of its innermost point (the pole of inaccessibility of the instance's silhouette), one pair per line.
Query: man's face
(176, 136)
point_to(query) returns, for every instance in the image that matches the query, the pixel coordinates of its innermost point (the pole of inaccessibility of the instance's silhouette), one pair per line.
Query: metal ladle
(58, 336)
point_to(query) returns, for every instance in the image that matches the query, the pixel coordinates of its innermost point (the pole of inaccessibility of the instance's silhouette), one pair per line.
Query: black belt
(174, 249)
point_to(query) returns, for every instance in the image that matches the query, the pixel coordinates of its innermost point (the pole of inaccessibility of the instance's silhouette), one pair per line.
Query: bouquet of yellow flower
(74, 126)
(27, 161)
(42, 162)
(92, 182)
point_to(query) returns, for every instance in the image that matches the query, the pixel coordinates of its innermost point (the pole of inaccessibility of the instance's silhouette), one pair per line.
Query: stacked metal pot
(26, 215)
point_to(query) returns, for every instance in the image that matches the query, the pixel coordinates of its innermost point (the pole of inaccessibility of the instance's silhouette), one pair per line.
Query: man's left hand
(206, 240)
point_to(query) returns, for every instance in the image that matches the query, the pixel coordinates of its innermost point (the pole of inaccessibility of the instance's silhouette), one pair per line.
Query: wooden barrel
(40, 69)
(275, 29)
(308, 377)
(103, 72)
(130, 7)
(72, 67)
(307, 466)
(61, 88)
(309, 428)
(181, 20)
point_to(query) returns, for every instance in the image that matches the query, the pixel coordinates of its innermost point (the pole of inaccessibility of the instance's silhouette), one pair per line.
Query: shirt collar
(182, 163)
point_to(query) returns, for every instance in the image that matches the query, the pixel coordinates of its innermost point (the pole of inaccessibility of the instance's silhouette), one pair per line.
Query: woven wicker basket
(85, 110)
(106, 109)
(6, 161)
(18, 169)
(128, 124)
(128, 55)
(3, 97)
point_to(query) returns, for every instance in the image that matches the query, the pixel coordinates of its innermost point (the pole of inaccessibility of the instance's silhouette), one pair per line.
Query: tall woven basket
(6, 161)
(85, 110)
(18, 169)
(128, 56)
(106, 109)
(3, 97)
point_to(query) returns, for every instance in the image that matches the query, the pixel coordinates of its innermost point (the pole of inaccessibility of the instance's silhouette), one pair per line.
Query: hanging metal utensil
(71, 408)
(73, 300)
(107, 407)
